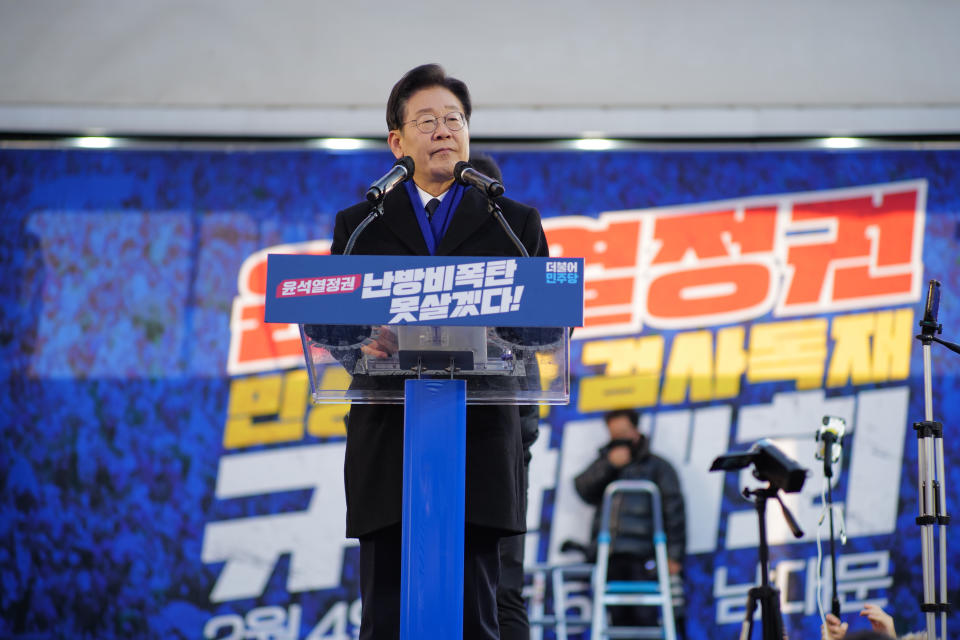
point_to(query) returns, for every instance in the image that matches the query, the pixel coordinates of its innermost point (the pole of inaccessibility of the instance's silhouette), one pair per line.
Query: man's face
(434, 154)
(621, 428)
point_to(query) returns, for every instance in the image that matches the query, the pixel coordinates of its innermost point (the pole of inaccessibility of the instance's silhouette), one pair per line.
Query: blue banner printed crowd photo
(164, 474)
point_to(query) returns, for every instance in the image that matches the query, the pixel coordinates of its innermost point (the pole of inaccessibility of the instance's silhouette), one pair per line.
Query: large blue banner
(164, 474)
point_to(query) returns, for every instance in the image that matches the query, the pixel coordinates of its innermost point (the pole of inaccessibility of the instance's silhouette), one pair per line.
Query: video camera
(770, 465)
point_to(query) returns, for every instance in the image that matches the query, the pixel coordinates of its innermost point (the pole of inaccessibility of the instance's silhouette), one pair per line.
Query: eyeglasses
(454, 121)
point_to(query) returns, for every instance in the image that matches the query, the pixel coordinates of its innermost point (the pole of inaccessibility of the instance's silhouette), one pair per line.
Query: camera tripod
(766, 595)
(931, 477)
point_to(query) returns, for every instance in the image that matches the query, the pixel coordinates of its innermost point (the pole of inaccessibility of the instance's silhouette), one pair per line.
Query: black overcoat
(373, 465)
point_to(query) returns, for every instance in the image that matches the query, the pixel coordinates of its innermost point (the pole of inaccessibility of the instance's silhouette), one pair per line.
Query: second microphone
(467, 175)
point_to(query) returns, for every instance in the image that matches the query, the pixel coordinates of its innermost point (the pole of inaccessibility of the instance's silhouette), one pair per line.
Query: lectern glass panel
(501, 365)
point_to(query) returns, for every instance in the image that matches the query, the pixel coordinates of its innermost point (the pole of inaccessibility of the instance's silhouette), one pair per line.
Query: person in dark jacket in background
(627, 457)
(511, 607)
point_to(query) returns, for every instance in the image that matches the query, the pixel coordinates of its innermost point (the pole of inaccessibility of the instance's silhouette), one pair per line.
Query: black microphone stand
(491, 188)
(328, 335)
(931, 476)
(766, 594)
(828, 438)
(497, 213)
(376, 210)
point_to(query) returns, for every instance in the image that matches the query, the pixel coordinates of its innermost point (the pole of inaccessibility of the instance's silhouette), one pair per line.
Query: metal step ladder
(606, 593)
(636, 593)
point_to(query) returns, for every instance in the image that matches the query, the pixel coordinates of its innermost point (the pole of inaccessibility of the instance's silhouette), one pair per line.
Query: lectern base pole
(434, 465)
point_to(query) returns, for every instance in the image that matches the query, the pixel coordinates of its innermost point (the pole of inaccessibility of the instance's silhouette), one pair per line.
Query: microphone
(467, 175)
(931, 309)
(402, 171)
(829, 436)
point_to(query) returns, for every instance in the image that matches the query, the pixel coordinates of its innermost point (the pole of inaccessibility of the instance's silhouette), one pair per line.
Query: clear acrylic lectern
(434, 334)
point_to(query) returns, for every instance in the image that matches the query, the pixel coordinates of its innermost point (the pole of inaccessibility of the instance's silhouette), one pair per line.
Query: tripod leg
(747, 627)
(925, 484)
(927, 531)
(942, 513)
(770, 612)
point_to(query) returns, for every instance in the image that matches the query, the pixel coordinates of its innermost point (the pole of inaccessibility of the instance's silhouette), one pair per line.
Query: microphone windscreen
(458, 170)
(407, 163)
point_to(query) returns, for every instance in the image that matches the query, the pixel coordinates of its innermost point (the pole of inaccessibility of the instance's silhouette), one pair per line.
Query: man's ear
(396, 143)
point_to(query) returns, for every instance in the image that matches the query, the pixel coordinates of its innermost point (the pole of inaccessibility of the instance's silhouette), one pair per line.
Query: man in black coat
(428, 114)
(627, 457)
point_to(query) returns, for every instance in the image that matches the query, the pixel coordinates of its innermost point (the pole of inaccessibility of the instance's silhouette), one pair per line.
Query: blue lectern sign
(512, 292)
